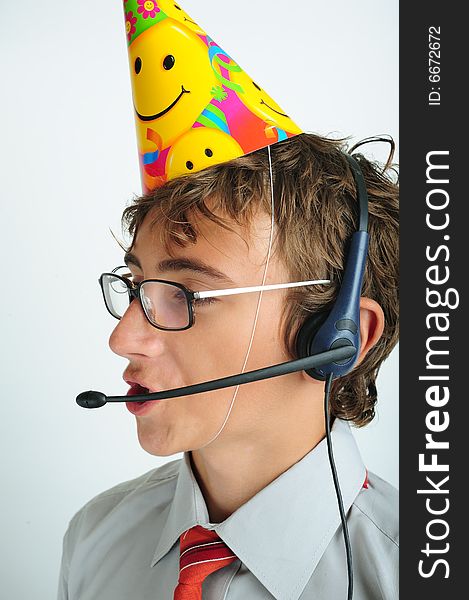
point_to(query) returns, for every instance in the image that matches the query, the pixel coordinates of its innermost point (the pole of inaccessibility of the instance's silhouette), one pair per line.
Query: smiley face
(261, 104)
(200, 148)
(172, 81)
(173, 10)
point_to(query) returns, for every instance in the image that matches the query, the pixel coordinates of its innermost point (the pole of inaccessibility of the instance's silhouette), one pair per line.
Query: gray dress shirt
(124, 543)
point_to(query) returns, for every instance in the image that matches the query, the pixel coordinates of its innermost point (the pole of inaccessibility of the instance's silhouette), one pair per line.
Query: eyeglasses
(168, 305)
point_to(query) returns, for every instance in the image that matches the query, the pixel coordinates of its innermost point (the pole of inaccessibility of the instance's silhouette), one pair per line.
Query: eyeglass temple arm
(257, 288)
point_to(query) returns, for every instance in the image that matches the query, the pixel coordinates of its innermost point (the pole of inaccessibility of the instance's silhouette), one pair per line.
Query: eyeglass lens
(165, 305)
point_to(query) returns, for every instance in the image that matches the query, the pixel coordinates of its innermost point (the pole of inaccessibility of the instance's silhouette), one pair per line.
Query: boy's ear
(371, 326)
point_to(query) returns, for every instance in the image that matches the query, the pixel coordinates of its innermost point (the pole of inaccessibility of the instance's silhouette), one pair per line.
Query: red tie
(202, 553)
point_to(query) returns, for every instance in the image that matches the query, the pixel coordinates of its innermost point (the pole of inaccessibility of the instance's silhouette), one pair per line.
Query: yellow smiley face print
(173, 10)
(261, 104)
(172, 81)
(200, 148)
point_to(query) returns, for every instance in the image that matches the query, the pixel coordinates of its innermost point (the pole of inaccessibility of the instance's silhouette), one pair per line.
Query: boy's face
(214, 347)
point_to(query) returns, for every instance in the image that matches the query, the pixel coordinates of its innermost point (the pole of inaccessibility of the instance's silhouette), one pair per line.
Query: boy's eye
(179, 296)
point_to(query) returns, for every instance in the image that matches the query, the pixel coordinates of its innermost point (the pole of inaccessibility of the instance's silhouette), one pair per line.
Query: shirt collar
(280, 547)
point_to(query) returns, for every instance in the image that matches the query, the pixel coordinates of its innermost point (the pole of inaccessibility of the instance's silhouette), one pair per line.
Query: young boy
(240, 238)
(250, 511)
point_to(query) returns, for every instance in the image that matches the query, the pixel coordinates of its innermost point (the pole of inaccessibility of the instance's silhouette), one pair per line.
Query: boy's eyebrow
(131, 259)
(183, 264)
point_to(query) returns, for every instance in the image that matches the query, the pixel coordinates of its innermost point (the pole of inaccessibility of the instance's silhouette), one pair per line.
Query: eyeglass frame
(191, 296)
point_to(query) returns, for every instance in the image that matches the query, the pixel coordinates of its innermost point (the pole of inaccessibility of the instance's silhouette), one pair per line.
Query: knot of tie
(202, 552)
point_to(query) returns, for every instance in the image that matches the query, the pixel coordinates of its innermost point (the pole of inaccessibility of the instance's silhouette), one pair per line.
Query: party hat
(194, 105)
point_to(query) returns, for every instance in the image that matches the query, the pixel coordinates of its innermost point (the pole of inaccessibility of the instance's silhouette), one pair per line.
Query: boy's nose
(133, 334)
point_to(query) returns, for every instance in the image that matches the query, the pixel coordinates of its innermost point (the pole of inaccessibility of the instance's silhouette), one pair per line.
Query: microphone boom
(98, 399)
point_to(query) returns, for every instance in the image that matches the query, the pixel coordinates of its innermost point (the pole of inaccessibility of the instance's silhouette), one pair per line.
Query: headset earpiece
(306, 334)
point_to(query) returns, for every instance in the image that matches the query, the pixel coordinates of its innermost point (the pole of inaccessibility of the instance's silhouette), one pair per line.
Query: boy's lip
(137, 388)
(141, 408)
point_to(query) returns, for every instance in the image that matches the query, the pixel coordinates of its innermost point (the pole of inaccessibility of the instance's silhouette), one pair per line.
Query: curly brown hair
(315, 216)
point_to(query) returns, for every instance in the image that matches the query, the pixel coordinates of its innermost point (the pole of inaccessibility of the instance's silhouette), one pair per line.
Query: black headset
(341, 326)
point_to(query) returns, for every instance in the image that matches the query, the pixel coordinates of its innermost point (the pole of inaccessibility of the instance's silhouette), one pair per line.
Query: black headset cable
(348, 549)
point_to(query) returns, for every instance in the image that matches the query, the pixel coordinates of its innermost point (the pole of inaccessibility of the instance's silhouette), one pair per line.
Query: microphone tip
(91, 399)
